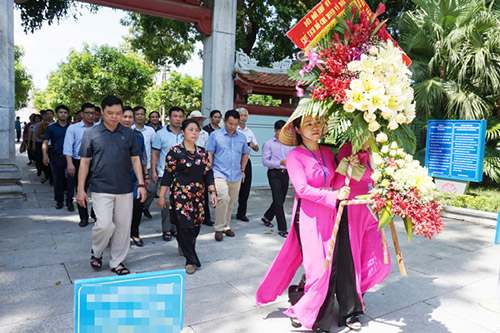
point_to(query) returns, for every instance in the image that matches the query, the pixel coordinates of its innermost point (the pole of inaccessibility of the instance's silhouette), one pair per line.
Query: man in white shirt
(147, 132)
(245, 186)
(203, 138)
(202, 142)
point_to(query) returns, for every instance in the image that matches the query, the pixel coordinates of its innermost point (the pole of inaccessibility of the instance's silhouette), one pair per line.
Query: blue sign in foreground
(455, 149)
(146, 302)
(497, 235)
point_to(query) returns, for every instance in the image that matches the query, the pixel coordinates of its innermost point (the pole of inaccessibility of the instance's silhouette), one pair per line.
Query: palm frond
(465, 103)
(491, 164)
(404, 137)
(493, 130)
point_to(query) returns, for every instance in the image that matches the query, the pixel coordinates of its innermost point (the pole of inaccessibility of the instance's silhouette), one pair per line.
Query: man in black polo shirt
(113, 149)
(55, 133)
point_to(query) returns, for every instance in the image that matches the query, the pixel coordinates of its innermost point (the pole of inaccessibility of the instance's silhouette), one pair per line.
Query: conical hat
(288, 134)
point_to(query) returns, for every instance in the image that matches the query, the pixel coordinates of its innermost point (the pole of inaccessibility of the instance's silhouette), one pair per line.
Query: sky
(47, 47)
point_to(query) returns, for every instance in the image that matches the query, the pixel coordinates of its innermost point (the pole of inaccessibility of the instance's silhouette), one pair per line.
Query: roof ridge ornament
(244, 64)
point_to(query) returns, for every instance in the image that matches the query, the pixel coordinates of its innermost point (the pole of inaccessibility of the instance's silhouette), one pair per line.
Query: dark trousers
(136, 217)
(245, 191)
(206, 206)
(62, 181)
(278, 181)
(31, 153)
(342, 283)
(82, 211)
(18, 135)
(186, 238)
(40, 167)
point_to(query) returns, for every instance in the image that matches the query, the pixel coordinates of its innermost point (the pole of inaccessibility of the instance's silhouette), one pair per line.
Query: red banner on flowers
(321, 19)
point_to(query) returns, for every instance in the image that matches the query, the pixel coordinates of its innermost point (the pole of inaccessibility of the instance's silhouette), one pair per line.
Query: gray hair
(240, 110)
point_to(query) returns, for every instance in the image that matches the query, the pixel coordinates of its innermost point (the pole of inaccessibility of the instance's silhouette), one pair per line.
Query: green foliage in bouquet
(358, 82)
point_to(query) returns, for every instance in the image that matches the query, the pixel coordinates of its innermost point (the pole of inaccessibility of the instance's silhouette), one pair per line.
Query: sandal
(167, 236)
(295, 322)
(95, 263)
(120, 271)
(353, 323)
(266, 222)
(283, 234)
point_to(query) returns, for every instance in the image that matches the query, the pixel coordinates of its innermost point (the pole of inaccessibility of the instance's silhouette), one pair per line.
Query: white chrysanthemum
(393, 125)
(373, 126)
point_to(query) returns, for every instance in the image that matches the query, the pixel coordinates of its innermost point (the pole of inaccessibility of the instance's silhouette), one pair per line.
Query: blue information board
(455, 149)
(146, 302)
(497, 234)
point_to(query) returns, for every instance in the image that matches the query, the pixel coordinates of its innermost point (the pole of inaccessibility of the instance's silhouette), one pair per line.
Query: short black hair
(231, 113)
(175, 108)
(111, 100)
(214, 112)
(98, 109)
(186, 123)
(127, 108)
(77, 112)
(37, 115)
(87, 106)
(279, 124)
(137, 108)
(154, 112)
(61, 107)
(45, 111)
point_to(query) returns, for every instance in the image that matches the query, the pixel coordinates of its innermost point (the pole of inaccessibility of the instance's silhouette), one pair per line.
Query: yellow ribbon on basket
(357, 172)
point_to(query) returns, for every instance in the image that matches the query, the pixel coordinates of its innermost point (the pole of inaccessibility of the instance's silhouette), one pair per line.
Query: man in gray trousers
(114, 151)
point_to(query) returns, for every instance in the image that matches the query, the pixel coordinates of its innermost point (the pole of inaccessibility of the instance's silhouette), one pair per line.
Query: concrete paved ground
(44, 251)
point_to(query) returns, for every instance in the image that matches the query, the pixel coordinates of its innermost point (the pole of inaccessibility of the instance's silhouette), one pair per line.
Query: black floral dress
(188, 175)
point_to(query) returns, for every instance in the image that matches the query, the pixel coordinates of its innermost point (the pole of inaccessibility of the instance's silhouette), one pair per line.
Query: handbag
(295, 292)
(22, 148)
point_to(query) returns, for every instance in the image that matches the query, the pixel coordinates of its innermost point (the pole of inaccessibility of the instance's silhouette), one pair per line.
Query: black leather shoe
(92, 215)
(59, 205)
(208, 223)
(147, 214)
(84, 223)
(243, 218)
(70, 206)
(139, 243)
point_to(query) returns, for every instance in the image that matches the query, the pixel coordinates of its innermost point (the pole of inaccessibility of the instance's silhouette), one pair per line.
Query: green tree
(95, 72)
(35, 13)
(177, 90)
(23, 80)
(163, 42)
(261, 28)
(455, 49)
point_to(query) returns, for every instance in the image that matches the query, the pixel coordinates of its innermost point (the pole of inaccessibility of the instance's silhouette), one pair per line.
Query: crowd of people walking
(115, 158)
(111, 156)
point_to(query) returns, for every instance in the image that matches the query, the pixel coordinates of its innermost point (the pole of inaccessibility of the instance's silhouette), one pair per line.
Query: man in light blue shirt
(228, 151)
(72, 142)
(164, 139)
(147, 131)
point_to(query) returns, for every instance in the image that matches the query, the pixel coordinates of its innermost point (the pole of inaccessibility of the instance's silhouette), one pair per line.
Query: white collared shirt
(248, 134)
(148, 133)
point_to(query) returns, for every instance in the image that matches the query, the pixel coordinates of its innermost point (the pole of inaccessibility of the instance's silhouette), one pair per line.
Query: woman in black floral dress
(189, 174)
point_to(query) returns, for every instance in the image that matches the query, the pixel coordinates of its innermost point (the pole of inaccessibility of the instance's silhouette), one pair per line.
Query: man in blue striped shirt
(72, 142)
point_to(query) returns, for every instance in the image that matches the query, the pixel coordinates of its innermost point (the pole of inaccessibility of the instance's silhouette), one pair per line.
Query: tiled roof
(267, 79)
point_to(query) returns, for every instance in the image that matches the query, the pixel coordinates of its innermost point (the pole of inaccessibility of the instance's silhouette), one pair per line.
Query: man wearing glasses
(72, 143)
